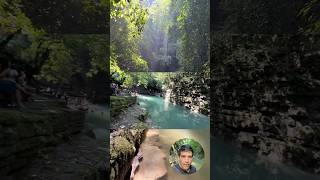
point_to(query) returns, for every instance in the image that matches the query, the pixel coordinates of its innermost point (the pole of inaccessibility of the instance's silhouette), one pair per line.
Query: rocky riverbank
(126, 113)
(266, 96)
(39, 141)
(120, 104)
(128, 127)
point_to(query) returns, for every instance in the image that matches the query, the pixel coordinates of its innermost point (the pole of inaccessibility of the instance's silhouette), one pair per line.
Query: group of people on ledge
(13, 86)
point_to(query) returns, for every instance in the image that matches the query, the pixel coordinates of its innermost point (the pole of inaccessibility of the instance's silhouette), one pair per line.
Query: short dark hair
(185, 147)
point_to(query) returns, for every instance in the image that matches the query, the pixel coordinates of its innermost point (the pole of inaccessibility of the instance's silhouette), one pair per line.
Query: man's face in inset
(185, 160)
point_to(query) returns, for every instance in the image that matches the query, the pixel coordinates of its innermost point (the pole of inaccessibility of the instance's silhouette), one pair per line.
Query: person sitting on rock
(23, 85)
(8, 87)
(23, 82)
(184, 166)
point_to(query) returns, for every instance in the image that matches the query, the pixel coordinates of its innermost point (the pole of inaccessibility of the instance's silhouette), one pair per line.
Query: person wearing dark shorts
(8, 88)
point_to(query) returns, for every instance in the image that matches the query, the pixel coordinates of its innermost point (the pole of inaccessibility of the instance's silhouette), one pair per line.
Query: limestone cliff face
(190, 90)
(266, 95)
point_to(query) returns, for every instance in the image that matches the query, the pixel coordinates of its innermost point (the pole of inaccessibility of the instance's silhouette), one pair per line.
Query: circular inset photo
(186, 156)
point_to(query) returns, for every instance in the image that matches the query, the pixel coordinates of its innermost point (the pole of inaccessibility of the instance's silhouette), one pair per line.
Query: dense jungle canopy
(159, 35)
(57, 40)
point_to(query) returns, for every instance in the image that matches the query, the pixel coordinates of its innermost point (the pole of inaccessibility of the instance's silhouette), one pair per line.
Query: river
(97, 119)
(227, 161)
(231, 163)
(165, 115)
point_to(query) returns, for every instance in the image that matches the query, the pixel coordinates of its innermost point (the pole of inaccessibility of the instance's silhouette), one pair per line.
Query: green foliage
(128, 82)
(154, 45)
(97, 51)
(117, 74)
(167, 33)
(193, 24)
(144, 79)
(140, 63)
(176, 34)
(311, 16)
(160, 14)
(68, 17)
(132, 12)
(84, 54)
(51, 57)
(11, 17)
(120, 103)
(59, 67)
(127, 21)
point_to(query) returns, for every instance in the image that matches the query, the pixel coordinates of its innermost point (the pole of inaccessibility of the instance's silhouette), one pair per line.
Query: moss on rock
(121, 147)
(124, 144)
(120, 103)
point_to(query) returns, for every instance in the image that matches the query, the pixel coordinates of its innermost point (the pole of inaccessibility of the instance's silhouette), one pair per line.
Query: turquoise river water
(166, 115)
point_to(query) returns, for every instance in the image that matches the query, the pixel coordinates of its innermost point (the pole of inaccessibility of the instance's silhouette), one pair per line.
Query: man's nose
(188, 160)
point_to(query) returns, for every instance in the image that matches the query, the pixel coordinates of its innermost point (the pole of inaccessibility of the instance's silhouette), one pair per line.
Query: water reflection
(97, 118)
(230, 163)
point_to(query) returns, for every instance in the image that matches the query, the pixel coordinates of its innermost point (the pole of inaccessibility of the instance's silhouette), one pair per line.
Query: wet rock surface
(266, 96)
(153, 162)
